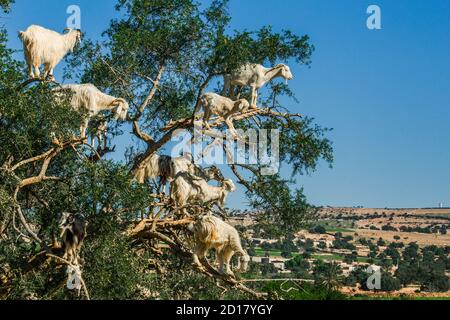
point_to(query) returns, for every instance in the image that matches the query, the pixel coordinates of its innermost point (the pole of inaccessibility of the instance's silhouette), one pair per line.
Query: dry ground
(409, 292)
(422, 239)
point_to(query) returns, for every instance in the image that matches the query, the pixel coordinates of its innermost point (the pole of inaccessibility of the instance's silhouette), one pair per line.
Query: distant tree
(436, 282)
(382, 256)
(322, 245)
(298, 264)
(388, 227)
(406, 273)
(349, 259)
(5, 5)
(288, 245)
(357, 276)
(381, 242)
(307, 246)
(268, 269)
(286, 254)
(393, 253)
(373, 247)
(387, 264)
(328, 275)
(342, 243)
(266, 246)
(363, 241)
(318, 229)
(389, 283)
(411, 252)
(254, 268)
(348, 238)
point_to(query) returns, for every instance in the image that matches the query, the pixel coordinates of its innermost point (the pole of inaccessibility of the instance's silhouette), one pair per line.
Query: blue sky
(385, 92)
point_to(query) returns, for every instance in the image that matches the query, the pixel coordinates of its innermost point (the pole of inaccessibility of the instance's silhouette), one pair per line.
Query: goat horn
(117, 100)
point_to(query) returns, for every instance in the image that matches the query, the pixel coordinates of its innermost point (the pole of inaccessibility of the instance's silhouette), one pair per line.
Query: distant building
(279, 265)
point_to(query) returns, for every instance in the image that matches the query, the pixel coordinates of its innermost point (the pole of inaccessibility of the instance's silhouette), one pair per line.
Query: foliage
(6, 4)
(301, 291)
(327, 275)
(343, 242)
(298, 264)
(389, 283)
(318, 229)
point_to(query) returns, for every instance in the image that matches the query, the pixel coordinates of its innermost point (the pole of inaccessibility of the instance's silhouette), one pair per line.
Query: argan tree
(162, 56)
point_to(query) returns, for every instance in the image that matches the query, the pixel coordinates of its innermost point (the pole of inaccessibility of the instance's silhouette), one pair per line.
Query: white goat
(213, 233)
(224, 107)
(87, 98)
(47, 47)
(255, 76)
(165, 168)
(188, 188)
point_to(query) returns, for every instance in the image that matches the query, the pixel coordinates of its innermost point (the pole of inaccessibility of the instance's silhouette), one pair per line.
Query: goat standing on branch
(47, 47)
(87, 98)
(213, 233)
(255, 76)
(165, 168)
(188, 188)
(73, 232)
(224, 107)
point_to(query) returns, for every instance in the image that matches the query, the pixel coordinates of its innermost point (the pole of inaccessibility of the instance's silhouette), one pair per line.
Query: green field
(331, 257)
(272, 253)
(338, 229)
